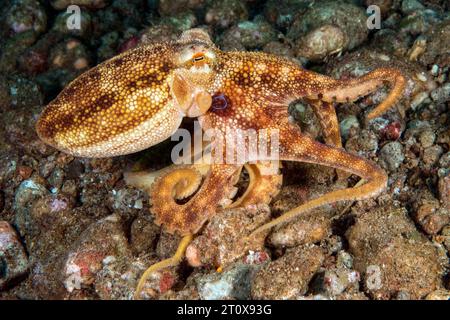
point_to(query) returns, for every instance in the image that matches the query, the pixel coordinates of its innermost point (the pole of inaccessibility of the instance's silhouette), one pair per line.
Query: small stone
(24, 93)
(402, 295)
(56, 178)
(393, 130)
(233, 283)
(167, 245)
(305, 229)
(391, 155)
(437, 47)
(444, 191)
(13, 258)
(364, 144)
(306, 118)
(70, 188)
(170, 7)
(279, 48)
(321, 42)
(224, 239)
(249, 34)
(344, 259)
(430, 214)
(46, 168)
(444, 161)
(26, 15)
(409, 6)
(283, 13)
(419, 22)
(348, 123)
(435, 70)
(288, 277)
(28, 191)
(441, 94)
(158, 33)
(223, 14)
(431, 155)
(433, 223)
(335, 281)
(334, 244)
(72, 56)
(439, 295)
(328, 27)
(93, 4)
(48, 210)
(427, 138)
(143, 234)
(181, 22)
(24, 172)
(125, 201)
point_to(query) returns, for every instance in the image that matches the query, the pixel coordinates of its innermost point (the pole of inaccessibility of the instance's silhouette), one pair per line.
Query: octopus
(139, 98)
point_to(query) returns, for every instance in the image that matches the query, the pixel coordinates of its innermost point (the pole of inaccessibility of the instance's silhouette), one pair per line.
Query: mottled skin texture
(97, 114)
(138, 99)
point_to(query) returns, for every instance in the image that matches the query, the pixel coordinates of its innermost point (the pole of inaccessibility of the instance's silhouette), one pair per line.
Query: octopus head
(195, 58)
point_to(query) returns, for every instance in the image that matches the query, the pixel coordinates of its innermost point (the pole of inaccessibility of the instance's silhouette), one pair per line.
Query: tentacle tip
(375, 113)
(137, 295)
(254, 233)
(371, 116)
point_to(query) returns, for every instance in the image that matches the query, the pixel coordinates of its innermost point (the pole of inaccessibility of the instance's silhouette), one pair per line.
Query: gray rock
(249, 35)
(441, 94)
(26, 15)
(328, 27)
(28, 191)
(409, 6)
(391, 155)
(346, 124)
(234, 283)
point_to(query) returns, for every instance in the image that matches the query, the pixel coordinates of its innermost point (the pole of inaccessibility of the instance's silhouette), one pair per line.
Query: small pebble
(391, 155)
(13, 258)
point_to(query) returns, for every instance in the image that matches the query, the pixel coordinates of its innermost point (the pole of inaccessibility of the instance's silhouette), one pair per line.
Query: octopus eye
(198, 57)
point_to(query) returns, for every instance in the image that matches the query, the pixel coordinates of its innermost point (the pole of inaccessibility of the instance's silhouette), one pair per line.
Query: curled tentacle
(144, 179)
(263, 186)
(353, 89)
(189, 217)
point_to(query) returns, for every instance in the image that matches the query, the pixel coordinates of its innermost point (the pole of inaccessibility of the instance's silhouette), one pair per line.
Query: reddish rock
(102, 239)
(13, 259)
